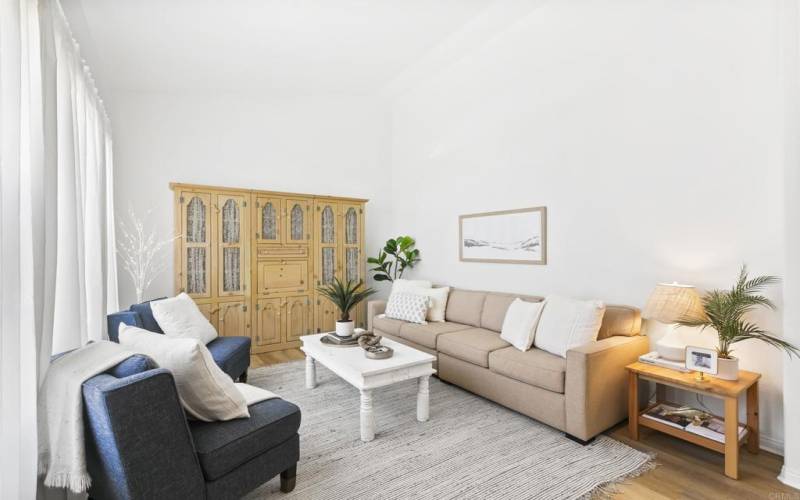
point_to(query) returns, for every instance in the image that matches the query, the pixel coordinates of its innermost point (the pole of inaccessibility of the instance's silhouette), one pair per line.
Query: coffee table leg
(367, 418)
(423, 399)
(311, 372)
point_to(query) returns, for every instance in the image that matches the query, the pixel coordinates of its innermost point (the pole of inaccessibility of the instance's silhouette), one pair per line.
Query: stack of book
(713, 428)
(335, 339)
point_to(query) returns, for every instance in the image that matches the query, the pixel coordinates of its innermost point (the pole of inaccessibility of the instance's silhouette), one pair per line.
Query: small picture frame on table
(701, 360)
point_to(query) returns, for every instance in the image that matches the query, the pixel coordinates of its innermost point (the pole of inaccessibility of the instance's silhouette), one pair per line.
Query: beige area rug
(470, 447)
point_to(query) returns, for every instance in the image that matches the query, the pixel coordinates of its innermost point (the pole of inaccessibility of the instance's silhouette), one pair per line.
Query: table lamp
(670, 303)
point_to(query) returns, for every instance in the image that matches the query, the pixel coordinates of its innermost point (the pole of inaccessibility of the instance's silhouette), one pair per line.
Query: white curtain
(57, 265)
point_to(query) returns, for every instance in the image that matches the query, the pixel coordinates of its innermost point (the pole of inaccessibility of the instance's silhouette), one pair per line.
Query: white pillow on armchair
(179, 317)
(206, 392)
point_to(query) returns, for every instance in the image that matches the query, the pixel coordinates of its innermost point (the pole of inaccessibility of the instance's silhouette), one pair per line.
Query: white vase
(728, 368)
(344, 328)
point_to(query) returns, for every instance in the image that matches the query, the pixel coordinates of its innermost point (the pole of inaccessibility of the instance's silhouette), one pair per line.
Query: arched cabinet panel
(270, 322)
(194, 270)
(298, 227)
(232, 228)
(270, 217)
(233, 320)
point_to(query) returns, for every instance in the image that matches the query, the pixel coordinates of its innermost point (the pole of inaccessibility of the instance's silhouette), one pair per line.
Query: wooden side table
(727, 390)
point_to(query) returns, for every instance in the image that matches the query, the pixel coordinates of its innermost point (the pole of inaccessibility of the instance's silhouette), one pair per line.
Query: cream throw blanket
(62, 453)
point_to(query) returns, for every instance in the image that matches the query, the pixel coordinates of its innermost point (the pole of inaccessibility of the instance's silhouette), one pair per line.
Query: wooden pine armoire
(252, 260)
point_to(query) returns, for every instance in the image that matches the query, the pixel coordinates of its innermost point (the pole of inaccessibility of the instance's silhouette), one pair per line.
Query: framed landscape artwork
(508, 236)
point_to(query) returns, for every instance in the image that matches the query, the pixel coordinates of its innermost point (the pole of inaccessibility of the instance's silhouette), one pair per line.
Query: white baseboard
(790, 478)
(771, 444)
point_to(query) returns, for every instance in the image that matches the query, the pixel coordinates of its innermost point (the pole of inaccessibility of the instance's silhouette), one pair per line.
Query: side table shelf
(727, 390)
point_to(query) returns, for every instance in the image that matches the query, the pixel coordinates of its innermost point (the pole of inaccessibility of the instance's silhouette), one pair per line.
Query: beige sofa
(582, 395)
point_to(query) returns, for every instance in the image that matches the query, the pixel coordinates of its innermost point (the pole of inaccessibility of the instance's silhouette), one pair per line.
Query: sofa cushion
(387, 325)
(426, 334)
(473, 345)
(465, 306)
(223, 446)
(495, 307)
(620, 320)
(232, 354)
(533, 367)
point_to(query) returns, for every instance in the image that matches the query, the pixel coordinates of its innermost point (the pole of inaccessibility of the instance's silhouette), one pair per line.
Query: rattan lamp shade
(671, 302)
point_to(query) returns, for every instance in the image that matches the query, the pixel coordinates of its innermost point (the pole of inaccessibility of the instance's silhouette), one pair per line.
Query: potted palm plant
(345, 296)
(725, 311)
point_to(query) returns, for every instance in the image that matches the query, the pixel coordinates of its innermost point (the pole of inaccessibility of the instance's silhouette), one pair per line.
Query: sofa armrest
(596, 385)
(374, 308)
(138, 444)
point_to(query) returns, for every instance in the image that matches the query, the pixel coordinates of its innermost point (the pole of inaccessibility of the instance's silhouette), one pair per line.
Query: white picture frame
(700, 359)
(507, 236)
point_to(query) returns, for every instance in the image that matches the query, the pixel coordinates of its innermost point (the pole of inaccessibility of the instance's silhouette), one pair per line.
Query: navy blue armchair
(232, 354)
(140, 445)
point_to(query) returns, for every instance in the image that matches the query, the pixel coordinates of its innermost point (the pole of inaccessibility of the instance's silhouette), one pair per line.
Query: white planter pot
(728, 369)
(345, 328)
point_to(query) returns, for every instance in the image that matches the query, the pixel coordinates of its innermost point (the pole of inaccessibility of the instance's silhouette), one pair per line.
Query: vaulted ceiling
(292, 47)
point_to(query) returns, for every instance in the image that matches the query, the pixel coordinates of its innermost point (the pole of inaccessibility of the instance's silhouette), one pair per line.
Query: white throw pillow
(519, 325)
(438, 301)
(407, 307)
(179, 317)
(206, 392)
(401, 285)
(568, 323)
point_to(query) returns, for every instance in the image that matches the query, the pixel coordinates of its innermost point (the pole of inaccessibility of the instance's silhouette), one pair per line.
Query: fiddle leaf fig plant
(394, 258)
(725, 311)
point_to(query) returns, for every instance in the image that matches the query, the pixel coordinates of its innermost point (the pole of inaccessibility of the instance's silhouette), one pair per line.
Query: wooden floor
(684, 471)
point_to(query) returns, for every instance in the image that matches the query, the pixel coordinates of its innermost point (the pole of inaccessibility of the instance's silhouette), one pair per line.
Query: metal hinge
(244, 204)
(244, 308)
(181, 199)
(361, 210)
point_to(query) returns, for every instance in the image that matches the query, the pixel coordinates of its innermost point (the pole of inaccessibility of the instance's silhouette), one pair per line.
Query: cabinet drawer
(271, 253)
(282, 276)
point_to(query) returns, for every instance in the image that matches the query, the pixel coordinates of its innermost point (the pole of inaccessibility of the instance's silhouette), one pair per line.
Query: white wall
(316, 145)
(650, 130)
(790, 36)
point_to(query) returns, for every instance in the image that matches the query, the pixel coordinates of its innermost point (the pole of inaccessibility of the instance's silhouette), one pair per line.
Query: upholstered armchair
(140, 445)
(232, 354)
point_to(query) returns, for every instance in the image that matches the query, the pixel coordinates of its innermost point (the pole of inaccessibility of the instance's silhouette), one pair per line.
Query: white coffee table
(365, 374)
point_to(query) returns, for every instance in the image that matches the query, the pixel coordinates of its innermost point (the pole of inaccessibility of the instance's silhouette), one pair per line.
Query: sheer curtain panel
(57, 263)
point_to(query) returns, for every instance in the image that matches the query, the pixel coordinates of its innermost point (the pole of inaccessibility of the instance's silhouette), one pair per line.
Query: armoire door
(210, 312)
(297, 215)
(352, 260)
(298, 317)
(270, 220)
(326, 259)
(233, 320)
(269, 321)
(233, 253)
(195, 244)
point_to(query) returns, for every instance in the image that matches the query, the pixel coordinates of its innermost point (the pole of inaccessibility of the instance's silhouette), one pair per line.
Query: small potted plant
(345, 296)
(725, 311)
